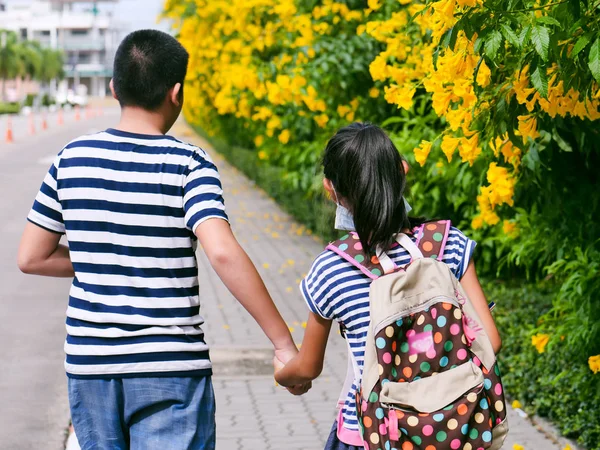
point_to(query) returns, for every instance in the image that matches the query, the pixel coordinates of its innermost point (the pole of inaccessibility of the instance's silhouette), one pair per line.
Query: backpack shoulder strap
(432, 238)
(350, 248)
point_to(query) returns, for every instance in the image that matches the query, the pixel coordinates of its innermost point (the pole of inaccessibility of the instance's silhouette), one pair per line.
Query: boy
(132, 201)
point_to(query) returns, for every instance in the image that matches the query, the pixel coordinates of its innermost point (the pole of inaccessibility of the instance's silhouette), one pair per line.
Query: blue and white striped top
(336, 290)
(129, 205)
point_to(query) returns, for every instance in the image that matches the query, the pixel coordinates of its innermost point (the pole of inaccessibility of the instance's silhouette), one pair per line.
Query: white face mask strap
(337, 200)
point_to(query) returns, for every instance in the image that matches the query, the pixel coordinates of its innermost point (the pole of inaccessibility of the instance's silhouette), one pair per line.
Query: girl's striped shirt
(129, 205)
(336, 290)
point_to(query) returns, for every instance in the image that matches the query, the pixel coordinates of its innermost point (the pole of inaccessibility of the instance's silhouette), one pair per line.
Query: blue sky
(135, 13)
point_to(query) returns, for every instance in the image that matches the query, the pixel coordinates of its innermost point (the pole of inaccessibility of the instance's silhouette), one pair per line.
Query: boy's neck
(140, 121)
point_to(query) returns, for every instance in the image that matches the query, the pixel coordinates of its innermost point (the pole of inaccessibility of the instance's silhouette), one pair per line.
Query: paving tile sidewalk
(252, 413)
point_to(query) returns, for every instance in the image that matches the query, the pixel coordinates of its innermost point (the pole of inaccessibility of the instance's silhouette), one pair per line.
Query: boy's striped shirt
(129, 205)
(336, 290)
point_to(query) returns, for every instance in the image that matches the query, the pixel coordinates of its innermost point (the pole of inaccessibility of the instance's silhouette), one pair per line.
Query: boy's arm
(41, 254)
(239, 275)
(309, 363)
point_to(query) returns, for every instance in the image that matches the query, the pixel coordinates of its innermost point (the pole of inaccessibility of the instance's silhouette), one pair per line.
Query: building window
(45, 32)
(84, 58)
(79, 32)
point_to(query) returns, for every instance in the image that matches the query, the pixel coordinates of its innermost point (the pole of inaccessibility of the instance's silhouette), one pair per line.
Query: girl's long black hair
(366, 171)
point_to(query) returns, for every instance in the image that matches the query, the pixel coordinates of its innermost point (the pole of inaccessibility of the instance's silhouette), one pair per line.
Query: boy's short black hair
(148, 63)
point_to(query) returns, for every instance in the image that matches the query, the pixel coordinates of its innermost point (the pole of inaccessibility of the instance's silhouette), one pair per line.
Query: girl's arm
(308, 364)
(470, 284)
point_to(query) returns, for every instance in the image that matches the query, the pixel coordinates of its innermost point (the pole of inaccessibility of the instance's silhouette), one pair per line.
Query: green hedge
(547, 384)
(9, 108)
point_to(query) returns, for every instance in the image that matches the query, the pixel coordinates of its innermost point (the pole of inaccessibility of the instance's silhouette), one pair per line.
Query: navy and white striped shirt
(336, 290)
(129, 205)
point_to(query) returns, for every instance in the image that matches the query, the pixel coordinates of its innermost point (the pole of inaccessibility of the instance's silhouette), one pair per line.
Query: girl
(366, 177)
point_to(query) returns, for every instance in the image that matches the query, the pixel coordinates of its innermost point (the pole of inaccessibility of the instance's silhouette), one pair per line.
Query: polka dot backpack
(430, 379)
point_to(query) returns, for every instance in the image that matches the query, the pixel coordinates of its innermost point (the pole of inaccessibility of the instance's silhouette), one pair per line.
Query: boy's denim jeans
(170, 413)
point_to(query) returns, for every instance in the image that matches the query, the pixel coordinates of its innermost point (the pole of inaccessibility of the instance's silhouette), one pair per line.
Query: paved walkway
(252, 413)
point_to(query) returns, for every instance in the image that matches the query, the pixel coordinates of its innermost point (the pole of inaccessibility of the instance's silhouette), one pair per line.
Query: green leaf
(524, 36)
(549, 21)
(477, 45)
(492, 44)
(541, 41)
(562, 144)
(510, 35)
(581, 43)
(392, 120)
(575, 8)
(540, 81)
(594, 61)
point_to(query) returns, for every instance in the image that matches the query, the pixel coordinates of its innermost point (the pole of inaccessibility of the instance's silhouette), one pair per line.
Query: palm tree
(52, 67)
(11, 64)
(31, 60)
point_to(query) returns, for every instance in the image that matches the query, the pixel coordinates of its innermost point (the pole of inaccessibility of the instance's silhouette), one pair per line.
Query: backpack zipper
(386, 322)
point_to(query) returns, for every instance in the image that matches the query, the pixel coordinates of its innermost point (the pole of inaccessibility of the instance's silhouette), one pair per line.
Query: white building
(87, 37)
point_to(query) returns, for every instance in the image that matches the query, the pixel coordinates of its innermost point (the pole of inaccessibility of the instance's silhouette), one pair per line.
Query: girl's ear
(328, 186)
(406, 166)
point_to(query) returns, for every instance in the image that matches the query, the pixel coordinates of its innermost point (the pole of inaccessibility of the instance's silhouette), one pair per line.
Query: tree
(11, 64)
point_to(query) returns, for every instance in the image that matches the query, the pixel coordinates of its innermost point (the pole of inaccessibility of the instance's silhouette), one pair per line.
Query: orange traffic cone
(60, 119)
(31, 124)
(44, 122)
(77, 113)
(9, 132)
(99, 111)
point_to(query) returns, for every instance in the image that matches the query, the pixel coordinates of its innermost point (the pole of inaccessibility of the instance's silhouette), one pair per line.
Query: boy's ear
(111, 85)
(175, 94)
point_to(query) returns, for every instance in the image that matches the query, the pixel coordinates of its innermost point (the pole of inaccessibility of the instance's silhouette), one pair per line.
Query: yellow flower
(502, 186)
(374, 4)
(259, 140)
(343, 110)
(469, 149)
(274, 123)
(284, 136)
(373, 92)
(401, 96)
(594, 363)
(567, 447)
(509, 228)
(528, 127)
(262, 155)
(449, 145)
(484, 75)
(422, 152)
(539, 341)
(322, 120)
(477, 222)
(516, 404)
(518, 447)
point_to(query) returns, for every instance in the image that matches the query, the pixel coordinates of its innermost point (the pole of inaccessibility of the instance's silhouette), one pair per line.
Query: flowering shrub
(495, 102)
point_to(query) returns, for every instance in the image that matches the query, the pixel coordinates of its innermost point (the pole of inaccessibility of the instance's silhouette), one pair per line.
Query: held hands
(281, 358)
